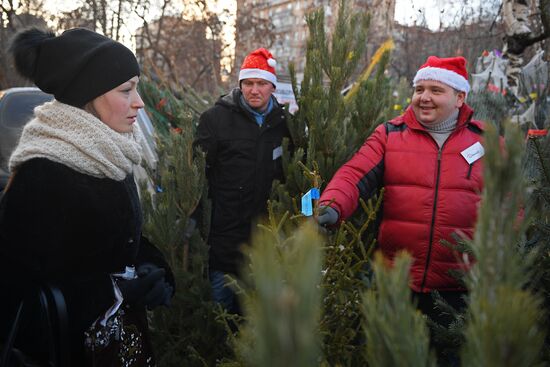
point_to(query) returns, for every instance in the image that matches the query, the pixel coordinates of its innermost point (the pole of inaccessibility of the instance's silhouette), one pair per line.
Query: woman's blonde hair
(89, 107)
(10, 180)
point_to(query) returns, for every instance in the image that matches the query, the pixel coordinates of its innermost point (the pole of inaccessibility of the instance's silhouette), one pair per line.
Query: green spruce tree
(396, 332)
(504, 317)
(537, 173)
(187, 333)
(282, 298)
(328, 128)
(326, 131)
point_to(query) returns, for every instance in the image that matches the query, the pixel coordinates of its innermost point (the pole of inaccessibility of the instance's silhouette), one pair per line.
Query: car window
(17, 108)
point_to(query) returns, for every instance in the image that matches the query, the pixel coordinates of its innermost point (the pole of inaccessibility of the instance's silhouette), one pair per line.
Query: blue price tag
(307, 208)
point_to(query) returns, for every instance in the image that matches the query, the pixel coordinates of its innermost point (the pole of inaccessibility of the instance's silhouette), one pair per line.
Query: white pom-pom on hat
(271, 62)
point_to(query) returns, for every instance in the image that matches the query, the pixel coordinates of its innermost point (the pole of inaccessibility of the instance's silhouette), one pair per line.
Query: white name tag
(277, 152)
(473, 153)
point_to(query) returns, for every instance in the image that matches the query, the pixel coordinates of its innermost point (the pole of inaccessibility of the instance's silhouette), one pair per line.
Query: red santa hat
(451, 71)
(259, 64)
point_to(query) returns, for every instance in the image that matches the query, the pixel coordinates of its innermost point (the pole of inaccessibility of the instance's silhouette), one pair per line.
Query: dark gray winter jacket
(242, 161)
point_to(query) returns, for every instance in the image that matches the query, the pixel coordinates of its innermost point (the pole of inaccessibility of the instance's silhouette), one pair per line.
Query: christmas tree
(503, 324)
(187, 332)
(282, 305)
(396, 332)
(326, 130)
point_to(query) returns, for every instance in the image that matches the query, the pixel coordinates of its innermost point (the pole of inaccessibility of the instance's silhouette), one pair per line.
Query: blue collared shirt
(259, 116)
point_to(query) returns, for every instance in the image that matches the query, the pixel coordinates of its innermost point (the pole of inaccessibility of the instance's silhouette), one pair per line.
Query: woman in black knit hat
(70, 215)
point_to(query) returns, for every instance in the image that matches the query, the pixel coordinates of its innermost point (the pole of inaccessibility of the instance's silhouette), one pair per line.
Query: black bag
(54, 321)
(123, 341)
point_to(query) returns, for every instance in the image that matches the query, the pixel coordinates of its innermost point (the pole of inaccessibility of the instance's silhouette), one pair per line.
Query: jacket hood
(231, 99)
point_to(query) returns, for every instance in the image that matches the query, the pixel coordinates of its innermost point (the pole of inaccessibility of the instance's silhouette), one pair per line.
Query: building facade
(289, 31)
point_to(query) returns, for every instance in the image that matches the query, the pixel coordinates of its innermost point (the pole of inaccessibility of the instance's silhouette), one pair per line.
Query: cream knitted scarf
(77, 139)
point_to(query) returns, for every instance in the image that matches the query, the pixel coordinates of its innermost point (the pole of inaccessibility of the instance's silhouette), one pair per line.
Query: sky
(406, 11)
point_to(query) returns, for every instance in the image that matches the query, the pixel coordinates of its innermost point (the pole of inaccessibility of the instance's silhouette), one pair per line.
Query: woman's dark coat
(70, 229)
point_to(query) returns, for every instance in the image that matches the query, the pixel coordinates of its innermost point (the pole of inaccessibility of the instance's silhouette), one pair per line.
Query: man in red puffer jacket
(428, 161)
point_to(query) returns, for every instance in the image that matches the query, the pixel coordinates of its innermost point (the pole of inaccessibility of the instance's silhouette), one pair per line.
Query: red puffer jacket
(430, 193)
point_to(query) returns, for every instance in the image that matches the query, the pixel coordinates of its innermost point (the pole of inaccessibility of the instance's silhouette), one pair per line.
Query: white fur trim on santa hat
(445, 76)
(257, 73)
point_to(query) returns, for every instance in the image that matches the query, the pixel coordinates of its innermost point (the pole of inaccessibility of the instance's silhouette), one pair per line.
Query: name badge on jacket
(473, 153)
(277, 152)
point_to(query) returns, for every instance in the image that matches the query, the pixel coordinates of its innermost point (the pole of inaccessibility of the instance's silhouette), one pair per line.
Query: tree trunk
(519, 35)
(517, 28)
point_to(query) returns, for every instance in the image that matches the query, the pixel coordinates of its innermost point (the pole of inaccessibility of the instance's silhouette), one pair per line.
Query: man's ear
(460, 99)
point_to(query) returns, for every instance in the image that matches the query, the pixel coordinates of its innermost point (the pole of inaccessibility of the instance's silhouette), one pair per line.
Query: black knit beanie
(76, 67)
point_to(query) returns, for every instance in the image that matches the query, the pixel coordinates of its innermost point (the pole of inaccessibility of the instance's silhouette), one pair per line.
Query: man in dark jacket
(242, 136)
(429, 162)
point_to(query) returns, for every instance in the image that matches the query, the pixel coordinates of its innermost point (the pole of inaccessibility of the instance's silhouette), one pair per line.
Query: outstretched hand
(327, 216)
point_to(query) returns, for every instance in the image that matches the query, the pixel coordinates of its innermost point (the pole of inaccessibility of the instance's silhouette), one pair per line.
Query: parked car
(16, 109)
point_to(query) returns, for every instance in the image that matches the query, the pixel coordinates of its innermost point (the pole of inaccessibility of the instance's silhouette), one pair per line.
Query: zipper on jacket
(432, 225)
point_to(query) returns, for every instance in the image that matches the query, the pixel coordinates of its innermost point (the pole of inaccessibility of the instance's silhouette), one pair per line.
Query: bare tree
(184, 47)
(14, 16)
(106, 17)
(79, 17)
(467, 31)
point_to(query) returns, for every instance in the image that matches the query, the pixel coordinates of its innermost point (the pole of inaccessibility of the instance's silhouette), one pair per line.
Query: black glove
(328, 216)
(161, 292)
(148, 289)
